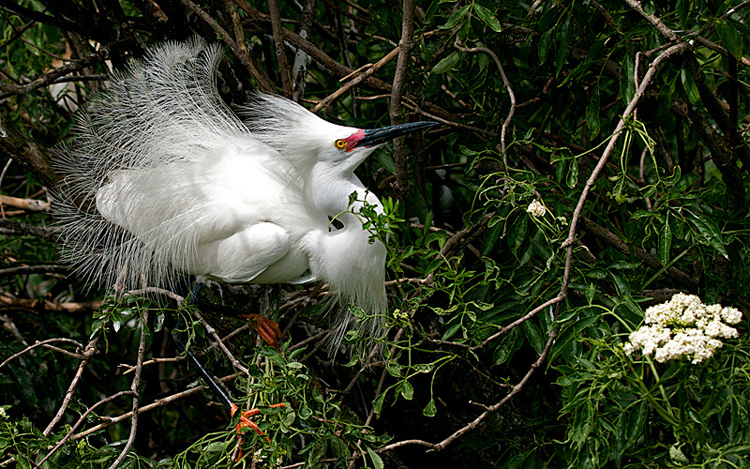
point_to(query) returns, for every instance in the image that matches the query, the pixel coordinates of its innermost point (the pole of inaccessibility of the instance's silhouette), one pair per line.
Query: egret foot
(246, 421)
(268, 330)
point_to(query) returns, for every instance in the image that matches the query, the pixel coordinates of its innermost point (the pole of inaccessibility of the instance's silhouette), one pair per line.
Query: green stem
(664, 412)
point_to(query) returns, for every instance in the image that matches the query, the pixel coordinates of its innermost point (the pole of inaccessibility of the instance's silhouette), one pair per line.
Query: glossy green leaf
(377, 461)
(456, 17)
(534, 335)
(709, 233)
(572, 178)
(430, 409)
(407, 390)
(377, 405)
(447, 64)
(562, 41)
(545, 42)
(517, 233)
(592, 115)
(730, 37)
(487, 17)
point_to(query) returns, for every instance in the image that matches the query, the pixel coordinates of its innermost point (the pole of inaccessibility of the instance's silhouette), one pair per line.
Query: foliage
(536, 226)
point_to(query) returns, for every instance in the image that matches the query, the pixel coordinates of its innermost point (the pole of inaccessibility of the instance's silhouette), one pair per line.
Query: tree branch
(399, 145)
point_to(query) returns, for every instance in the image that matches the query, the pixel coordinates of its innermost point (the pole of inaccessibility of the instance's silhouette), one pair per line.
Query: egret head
(307, 140)
(350, 151)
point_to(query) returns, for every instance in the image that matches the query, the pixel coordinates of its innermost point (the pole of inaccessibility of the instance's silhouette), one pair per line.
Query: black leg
(180, 339)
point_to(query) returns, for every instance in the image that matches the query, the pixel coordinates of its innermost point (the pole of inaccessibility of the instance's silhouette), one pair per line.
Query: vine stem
(508, 87)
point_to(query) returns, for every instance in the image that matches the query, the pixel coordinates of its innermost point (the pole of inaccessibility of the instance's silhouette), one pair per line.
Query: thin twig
(301, 59)
(39, 344)
(357, 80)
(489, 409)
(87, 354)
(31, 304)
(134, 390)
(154, 405)
(98, 56)
(220, 343)
(34, 269)
(518, 321)
(81, 419)
(261, 81)
(508, 87)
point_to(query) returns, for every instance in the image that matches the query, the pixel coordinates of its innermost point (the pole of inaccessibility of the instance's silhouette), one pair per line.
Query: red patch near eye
(351, 141)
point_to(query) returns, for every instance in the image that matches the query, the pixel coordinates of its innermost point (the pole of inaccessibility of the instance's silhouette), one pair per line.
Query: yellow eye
(340, 144)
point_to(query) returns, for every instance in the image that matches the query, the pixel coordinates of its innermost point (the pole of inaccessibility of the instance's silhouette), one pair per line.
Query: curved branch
(650, 74)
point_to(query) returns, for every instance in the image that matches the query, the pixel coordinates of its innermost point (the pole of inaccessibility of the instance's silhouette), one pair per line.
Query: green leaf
(637, 419)
(730, 37)
(430, 409)
(690, 89)
(534, 335)
(709, 233)
(394, 369)
(407, 390)
(560, 167)
(683, 9)
(456, 17)
(451, 330)
(562, 40)
(572, 180)
(375, 458)
(377, 406)
(517, 234)
(487, 17)
(627, 86)
(592, 115)
(544, 44)
(386, 160)
(621, 285)
(501, 355)
(447, 64)
(305, 412)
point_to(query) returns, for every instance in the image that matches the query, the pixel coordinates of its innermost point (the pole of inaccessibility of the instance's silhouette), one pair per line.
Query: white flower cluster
(683, 327)
(536, 208)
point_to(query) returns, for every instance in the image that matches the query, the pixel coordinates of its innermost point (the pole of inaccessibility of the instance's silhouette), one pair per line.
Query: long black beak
(377, 136)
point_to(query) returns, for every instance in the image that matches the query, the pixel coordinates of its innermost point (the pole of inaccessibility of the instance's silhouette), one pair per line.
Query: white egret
(164, 179)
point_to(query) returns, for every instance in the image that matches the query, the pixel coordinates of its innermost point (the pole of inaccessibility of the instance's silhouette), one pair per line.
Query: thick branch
(14, 144)
(278, 42)
(399, 144)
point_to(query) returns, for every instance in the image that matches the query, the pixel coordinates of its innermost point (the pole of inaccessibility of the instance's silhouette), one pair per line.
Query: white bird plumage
(164, 179)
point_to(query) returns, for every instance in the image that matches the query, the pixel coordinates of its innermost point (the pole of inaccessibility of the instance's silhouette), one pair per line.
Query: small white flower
(731, 315)
(683, 327)
(536, 208)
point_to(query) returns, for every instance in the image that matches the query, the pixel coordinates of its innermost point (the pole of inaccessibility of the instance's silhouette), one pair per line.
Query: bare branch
(508, 87)
(99, 56)
(134, 391)
(278, 41)
(399, 145)
(87, 354)
(39, 344)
